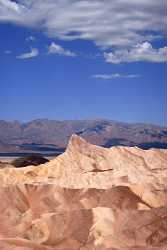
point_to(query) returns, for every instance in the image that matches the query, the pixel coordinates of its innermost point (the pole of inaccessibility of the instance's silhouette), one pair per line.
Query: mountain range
(50, 137)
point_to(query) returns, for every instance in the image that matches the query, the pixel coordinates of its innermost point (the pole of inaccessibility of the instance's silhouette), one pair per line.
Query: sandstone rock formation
(89, 198)
(5, 165)
(33, 159)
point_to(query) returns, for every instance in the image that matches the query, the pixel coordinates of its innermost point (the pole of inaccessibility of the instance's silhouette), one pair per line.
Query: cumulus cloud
(33, 53)
(114, 76)
(30, 38)
(9, 5)
(59, 50)
(140, 52)
(11, 11)
(108, 23)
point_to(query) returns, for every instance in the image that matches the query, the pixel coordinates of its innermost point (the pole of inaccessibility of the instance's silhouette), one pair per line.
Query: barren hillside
(89, 198)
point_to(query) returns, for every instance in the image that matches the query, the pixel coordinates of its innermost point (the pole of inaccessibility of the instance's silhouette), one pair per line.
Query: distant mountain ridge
(52, 135)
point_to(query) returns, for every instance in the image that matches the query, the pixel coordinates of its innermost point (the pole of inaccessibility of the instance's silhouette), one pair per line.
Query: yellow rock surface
(89, 198)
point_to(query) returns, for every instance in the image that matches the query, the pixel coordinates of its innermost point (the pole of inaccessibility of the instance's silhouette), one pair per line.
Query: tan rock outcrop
(89, 198)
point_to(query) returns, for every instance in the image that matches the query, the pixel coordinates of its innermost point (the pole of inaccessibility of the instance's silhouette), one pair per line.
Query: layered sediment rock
(89, 198)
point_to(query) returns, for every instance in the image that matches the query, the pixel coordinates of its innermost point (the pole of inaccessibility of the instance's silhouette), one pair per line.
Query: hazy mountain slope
(4, 147)
(101, 132)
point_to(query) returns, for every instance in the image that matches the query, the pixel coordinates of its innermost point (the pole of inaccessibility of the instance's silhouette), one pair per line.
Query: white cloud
(106, 22)
(114, 76)
(8, 51)
(140, 52)
(9, 5)
(11, 11)
(30, 38)
(33, 53)
(59, 50)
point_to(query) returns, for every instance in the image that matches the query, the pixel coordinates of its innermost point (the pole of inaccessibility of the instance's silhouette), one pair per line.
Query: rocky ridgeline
(89, 198)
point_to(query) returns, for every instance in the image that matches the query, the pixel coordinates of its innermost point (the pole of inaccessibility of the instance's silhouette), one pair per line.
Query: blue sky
(75, 65)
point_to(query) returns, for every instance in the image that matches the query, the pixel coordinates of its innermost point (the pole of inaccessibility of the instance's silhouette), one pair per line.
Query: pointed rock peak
(77, 143)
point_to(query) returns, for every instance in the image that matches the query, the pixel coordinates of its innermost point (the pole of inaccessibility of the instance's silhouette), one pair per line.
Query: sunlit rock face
(89, 198)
